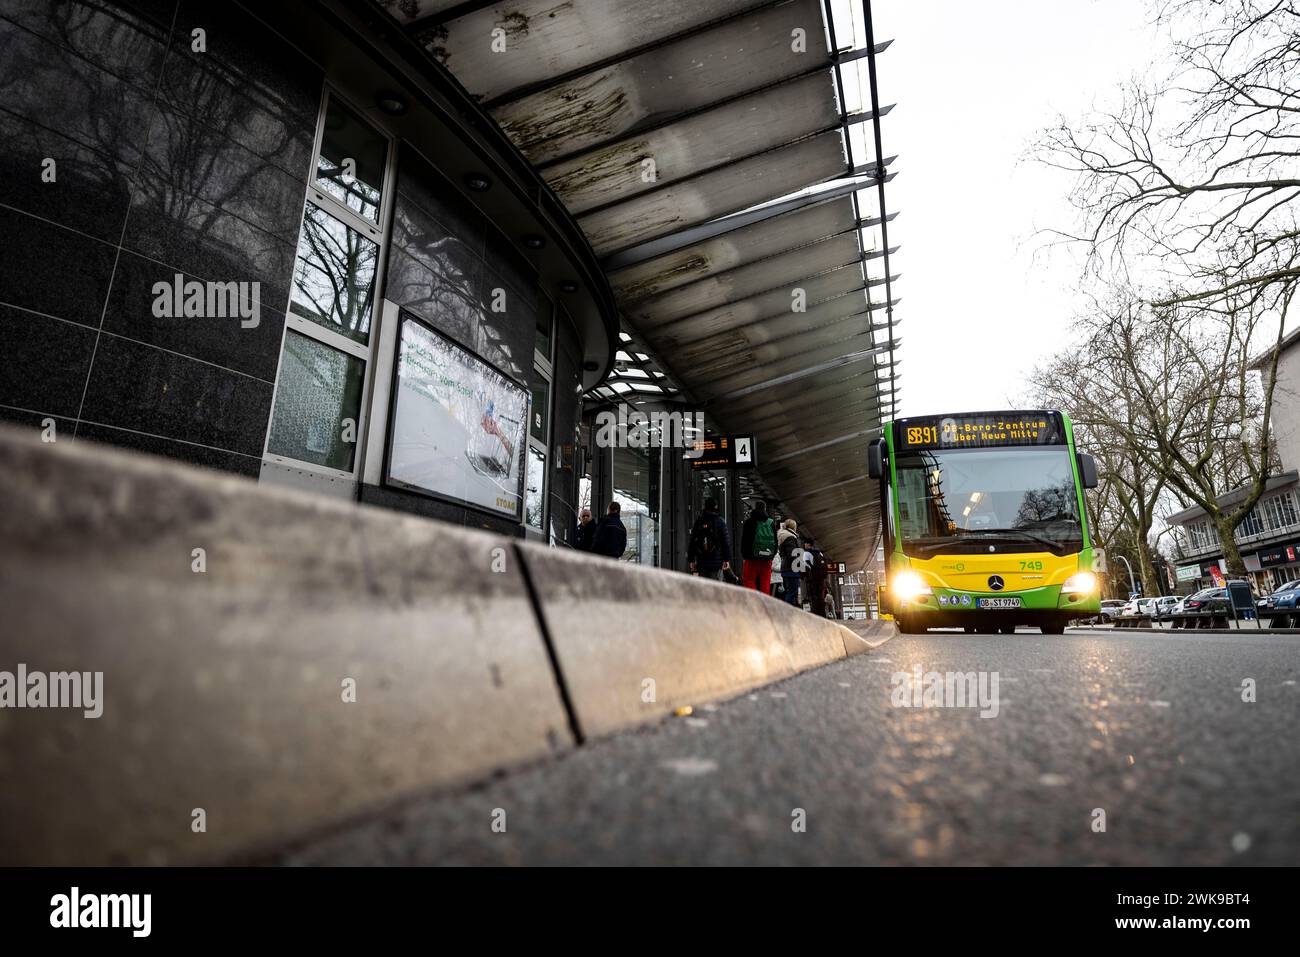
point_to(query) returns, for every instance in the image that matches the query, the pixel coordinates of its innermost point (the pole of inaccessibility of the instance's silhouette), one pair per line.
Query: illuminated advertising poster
(458, 424)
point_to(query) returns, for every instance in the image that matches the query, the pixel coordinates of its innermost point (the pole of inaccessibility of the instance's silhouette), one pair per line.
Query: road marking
(690, 767)
(697, 722)
(1050, 780)
(779, 694)
(1159, 704)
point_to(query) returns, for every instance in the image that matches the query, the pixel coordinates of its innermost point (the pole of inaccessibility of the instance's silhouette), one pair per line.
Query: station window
(317, 416)
(319, 392)
(539, 421)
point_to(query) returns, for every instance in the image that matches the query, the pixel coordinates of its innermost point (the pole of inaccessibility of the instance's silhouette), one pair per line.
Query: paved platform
(1151, 729)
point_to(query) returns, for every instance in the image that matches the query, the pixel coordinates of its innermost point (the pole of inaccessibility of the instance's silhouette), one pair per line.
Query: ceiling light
(393, 104)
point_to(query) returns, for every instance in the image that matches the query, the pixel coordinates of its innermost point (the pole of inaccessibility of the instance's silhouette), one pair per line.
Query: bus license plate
(999, 602)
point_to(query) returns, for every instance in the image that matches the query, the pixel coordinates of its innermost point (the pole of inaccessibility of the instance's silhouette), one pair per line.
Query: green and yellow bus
(985, 526)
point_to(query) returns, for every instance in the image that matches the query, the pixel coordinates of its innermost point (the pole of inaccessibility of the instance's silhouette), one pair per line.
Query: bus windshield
(964, 500)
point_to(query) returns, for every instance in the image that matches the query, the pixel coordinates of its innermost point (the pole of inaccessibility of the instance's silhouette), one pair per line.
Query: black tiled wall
(168, 161)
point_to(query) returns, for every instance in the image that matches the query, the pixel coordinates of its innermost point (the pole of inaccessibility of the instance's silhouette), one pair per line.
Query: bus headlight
(1080, 583)
(909, 585)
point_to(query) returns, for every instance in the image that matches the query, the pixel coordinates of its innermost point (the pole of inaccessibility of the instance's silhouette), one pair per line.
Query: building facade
(1269, 537)
(279, 241)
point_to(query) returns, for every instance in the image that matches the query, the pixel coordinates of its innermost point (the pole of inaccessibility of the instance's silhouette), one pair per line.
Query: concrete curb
(868, 635)
(633, 644)
(223, 690)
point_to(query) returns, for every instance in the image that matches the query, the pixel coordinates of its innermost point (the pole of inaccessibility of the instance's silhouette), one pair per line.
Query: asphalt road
(1149, 728)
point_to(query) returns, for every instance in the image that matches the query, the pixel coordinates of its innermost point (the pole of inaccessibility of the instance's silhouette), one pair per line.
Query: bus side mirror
(1088, 470)
(876, 459)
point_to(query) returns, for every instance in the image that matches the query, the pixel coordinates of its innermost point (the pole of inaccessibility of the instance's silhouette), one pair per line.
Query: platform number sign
(744, 449)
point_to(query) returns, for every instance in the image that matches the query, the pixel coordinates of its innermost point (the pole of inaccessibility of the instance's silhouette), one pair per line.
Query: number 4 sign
(744, 449)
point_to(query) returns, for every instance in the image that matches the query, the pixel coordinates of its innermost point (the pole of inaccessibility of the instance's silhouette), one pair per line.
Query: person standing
(709, 550)
(818, 580)
(758, 548)
(610, 537)
(787, 546)
(585, 533)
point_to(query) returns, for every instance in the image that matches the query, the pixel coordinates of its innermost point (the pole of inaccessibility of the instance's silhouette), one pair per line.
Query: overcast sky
(974, 82)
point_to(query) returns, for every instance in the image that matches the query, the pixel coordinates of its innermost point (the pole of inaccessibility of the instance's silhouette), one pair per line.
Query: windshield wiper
(1019, 533)
(994, 534)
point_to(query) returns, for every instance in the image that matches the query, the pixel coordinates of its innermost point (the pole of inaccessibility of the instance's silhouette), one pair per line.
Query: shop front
(1279, 564)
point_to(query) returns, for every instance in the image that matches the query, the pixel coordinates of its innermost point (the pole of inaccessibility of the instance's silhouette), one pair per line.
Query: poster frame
(403, 317)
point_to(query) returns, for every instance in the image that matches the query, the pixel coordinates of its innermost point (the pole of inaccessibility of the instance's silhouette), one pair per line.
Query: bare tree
(1197, 177)
(1191, 187)
(1123, 508)
(1173, 388)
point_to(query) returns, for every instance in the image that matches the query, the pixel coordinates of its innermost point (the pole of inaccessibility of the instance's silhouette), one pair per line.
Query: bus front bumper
(948, 609)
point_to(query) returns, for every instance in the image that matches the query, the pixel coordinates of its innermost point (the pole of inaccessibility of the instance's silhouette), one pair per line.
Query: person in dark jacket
(758, 548)
(709, 549)
(611, 537)
(818, 579)
(585, 533)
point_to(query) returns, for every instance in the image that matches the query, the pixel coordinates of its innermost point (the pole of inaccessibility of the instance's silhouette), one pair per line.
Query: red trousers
(757, 573)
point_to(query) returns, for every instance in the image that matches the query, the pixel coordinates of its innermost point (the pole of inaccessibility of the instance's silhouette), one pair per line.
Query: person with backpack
(787, 546)
(758, 548)
(709, 550)
(611, 537)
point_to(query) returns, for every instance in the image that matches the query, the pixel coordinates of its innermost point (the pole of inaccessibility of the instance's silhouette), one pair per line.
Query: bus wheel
(1053, 629)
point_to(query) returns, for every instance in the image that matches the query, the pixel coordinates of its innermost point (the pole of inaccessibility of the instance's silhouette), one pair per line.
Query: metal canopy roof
(705, 153)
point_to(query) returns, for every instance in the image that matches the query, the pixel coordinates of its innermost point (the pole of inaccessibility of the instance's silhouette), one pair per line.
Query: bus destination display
(980, 431)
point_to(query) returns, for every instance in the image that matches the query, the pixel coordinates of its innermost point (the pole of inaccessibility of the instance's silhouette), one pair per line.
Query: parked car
(1109, 609)
(1207, 599)
(1284, 597)
(1166, 606)
(1139, 606)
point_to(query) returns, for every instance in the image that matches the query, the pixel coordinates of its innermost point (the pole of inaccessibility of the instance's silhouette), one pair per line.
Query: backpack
(705, 539)
(787, 551)
(764, 539)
